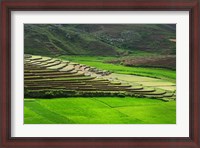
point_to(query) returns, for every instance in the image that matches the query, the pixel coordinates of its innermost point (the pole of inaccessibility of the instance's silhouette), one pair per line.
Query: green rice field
(99, 110)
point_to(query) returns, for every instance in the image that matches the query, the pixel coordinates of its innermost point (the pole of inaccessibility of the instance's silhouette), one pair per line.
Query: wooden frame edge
(6, 139)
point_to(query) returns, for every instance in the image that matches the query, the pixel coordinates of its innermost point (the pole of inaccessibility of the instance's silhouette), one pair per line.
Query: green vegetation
(99, 39)
(98, 62)
(101, 110)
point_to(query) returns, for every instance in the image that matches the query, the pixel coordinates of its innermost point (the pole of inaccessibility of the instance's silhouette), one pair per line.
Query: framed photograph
(100, 73)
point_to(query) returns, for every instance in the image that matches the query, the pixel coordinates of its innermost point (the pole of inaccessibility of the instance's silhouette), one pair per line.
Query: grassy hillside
(100, 39)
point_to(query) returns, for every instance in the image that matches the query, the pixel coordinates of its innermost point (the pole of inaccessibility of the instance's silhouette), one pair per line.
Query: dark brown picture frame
(193, 141)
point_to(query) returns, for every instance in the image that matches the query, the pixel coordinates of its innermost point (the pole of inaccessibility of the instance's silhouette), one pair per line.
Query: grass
(98, 62)
(99, 110)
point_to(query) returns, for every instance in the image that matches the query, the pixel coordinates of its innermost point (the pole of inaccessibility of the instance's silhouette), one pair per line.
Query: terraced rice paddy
(52, 77)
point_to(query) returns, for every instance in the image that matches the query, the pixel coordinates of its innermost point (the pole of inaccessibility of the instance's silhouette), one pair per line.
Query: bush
(55, 93)
(50, 93)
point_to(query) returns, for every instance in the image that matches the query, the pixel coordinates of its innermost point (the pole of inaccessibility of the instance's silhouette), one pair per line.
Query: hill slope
(98, 39)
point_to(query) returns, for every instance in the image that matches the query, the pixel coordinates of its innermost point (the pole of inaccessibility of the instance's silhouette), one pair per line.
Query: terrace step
(50, 72)
(33, 77)
(53, 82)
(52, 64)
(44, 59)
(28, 66)
(121, 86)
(152, 93)
(67, 68)
(60, 87)
(168, 94)
(55, 85)
(135, 88)
(35, 58)
(154, 97)
(59, 66)
(78, 76)
(48, 62)
(29, 74)
(39, 71)
(79, 79)
(56, 73)
(144, 90)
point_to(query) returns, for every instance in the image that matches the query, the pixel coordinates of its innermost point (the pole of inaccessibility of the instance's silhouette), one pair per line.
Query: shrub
(55, 93)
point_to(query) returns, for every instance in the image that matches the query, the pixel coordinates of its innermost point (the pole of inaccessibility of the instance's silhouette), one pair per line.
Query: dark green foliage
(52, 93)
(48, 93)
